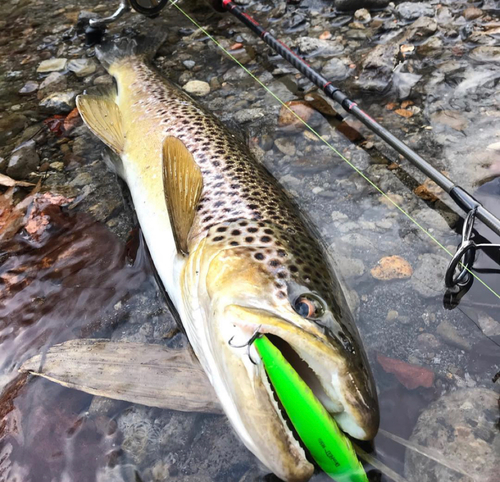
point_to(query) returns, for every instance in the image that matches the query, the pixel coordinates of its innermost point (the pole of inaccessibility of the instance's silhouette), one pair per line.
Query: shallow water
(82, 278)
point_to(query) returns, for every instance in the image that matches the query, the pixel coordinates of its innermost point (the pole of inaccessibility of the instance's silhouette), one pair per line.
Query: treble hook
(248, 344)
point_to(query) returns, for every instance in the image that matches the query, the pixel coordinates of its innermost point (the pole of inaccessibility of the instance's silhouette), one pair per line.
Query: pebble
(54, 82)
(428, 277)
(425, 26)
(82, 179)
(10, 126)
(450, 335)
(412, 11)
(392, 267)
(392, 315)
(428, 341)
(335, 69)
(488, 325)
(363, 15)
(285, 145)
(189, 64)
(461, 428)
(105, 79)
(350, 268)
(197, 87)
(248, 115)
(23, 161)
(471, 13)
(431, 220)
(57, 166)
(308, 45)
(82, 67)
(59, 102)
(52, 65)
(28, 88)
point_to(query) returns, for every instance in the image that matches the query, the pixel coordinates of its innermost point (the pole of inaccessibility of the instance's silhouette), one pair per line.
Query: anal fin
(104, 119)
(183, 183)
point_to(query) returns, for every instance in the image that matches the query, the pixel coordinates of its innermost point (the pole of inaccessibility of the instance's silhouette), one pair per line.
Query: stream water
(76, 266)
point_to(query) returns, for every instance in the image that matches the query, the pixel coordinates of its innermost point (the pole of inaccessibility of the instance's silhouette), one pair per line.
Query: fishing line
(319, 136)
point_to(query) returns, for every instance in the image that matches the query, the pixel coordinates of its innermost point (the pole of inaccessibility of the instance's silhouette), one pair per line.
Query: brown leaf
(326, 35)
(406, 103)
(404, 112)
(72, 120)
(11, 216)
(236, 46)
(428, 191)
(392, 267)
(55, 124)
(391, 106)
(411, 376)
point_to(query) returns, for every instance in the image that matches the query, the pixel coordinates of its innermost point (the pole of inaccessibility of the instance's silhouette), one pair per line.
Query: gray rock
(335, 69)
(350, 267)
(10, 126)
(432, 220)
(54, 82)
(82, 67)
(378, 68)
(412, 11)
(460, 428)
(486, 53)
(424, 26)
(189, 64)
(428, 278)
(197, 87)
(488, 325)
(52, 65)
(285, 145)
(59, 102)
(248, 115)
(105, 79)
(404, 82)
(24, 160)
(308, 45)
(28, 88)
(348, 5)
(450, 335)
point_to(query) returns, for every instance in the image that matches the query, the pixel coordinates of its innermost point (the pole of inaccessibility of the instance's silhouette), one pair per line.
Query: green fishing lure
(329, 447)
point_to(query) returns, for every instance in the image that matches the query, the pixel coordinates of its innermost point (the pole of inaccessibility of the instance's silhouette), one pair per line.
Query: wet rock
(450, 335)
(59, 102)
(308, 45)
(298, 108)
(335, 69)
(363, 15)
(424, 26)
(23, 161)
(432, 220)
(450, 118)
(428, 341)
(378, 68)
(54, 82)
(28, 88)
(392, 267)
(348, 5)
(488, 325)
(350, 267)
(103, 80)
(432, 45)
(404, 82)
(428, 278)
(471, 13)
(52, 65)
(10, 126)
(461, 429)
(412, 11)
(197, 87)
(82, 179)
(82, 67)
(486, 53)
(248, 115)
(189, 64)
(285, 145)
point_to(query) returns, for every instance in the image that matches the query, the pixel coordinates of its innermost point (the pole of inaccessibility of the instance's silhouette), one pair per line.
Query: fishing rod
(464, 257)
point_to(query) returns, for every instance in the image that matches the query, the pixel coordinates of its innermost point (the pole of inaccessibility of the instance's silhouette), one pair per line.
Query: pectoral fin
(104, 119)
(183, 183)
(148, 374)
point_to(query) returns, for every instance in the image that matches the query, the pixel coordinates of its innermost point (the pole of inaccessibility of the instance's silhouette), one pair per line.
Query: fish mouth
(322, 369)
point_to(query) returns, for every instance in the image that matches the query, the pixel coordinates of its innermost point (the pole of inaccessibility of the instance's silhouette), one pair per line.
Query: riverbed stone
(461, 429)
(428, 277)
(59, 102)
(197, 88)
(54, 82)
(52, 65)
(82, 67)
(412, 11)
(24, 160)
(10, 126)
(28, 88)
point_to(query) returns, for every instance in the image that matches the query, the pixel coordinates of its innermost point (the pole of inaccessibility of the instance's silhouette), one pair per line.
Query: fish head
(260, 280)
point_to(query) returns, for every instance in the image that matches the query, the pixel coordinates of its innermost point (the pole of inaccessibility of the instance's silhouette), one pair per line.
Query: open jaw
(320, 368)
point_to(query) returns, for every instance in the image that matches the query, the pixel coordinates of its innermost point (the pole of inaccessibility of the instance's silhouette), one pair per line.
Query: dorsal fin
(183, 183)
(104, 119)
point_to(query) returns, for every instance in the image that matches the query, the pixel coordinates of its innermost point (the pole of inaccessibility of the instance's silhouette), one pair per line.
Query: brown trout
(235, 256)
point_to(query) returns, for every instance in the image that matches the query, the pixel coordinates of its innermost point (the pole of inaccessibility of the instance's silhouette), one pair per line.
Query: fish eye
(309, 306)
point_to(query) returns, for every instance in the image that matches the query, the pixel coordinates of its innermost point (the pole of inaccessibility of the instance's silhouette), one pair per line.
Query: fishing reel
(96, 26)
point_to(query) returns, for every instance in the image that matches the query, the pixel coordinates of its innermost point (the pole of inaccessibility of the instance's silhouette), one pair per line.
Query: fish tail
(112, 53)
